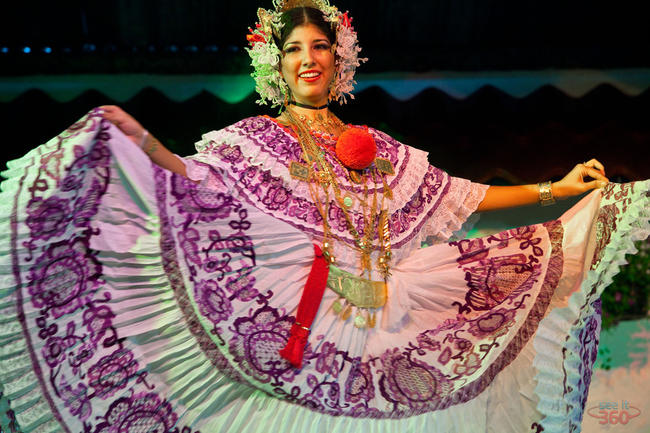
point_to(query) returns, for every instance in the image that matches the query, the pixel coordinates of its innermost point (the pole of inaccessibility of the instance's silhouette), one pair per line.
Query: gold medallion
(385, 166)
(299, 171)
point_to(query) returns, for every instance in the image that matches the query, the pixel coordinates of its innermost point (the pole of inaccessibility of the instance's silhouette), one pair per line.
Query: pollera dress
(136, 300)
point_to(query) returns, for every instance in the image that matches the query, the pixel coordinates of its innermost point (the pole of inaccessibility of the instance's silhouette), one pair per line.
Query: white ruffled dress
(135, 300)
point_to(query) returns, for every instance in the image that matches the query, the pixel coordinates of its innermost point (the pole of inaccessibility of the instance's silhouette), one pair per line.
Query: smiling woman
(308, 57)
(308, 65)
(277, 280)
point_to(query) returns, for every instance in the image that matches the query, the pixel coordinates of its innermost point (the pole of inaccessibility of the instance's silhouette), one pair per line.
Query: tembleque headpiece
(266, 55)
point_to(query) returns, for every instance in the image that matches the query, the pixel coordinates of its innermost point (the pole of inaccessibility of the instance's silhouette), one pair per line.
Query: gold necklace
(326, 178)
(330, 125)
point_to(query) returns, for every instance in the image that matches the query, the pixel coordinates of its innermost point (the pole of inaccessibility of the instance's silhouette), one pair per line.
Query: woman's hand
(574, 182)
(125, 122)
(154, 149)
(502, 197)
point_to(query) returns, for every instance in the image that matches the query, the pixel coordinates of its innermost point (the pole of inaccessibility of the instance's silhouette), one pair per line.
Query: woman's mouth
(309, 76)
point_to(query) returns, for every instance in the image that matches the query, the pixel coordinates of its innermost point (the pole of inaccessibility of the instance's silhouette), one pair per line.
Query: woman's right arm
(135, 132)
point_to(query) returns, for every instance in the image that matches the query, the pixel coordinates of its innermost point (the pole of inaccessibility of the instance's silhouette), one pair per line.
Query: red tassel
(312, 295)
(295, 347)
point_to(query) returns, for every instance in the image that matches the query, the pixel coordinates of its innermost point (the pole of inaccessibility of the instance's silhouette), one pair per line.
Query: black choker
(309, 107)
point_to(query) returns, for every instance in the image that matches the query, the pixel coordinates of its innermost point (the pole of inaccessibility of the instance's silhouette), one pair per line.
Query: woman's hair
(301, 16)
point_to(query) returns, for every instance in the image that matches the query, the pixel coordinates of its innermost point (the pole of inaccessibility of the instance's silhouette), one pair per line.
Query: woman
(275, 280)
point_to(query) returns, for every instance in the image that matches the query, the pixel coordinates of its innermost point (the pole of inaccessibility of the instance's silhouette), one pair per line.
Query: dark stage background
(487, 136)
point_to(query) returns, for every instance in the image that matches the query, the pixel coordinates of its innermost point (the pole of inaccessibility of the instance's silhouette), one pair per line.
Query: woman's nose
(308, 58)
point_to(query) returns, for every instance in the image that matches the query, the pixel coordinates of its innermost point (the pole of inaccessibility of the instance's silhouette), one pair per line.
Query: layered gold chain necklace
(317, 171)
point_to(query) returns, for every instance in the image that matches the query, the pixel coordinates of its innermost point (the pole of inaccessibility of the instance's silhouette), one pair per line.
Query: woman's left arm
(501, 197)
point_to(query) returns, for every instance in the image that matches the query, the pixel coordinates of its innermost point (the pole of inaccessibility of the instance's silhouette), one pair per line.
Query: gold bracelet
(546, 193)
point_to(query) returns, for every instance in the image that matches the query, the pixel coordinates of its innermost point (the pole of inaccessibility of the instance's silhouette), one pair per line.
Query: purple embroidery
(326, 360)
(47, 218)
(256, 344)
(411, 383)
(82, 358)
(112, 373)
(270, 194)
(241, 330)
(494, 323)
(141, 412)
(359, 386)
(76, 400)
(65, 274)
(212, 301)
(492, 280)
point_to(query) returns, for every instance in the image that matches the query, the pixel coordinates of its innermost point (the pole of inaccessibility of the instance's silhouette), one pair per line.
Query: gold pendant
(346, 313)
(356, 176)
(299, 171)
(372, 320)
(385, 166)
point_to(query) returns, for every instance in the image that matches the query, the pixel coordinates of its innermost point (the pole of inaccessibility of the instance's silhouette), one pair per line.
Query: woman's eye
(290, 50)
(323, 47)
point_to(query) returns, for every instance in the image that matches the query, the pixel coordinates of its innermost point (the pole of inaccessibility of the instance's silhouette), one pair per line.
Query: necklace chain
(326, 178)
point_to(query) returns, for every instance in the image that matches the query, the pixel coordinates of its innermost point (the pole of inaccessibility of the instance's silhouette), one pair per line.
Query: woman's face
(308, 64)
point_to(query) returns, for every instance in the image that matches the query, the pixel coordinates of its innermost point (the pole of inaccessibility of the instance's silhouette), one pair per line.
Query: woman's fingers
(594, 163)
(595, 174)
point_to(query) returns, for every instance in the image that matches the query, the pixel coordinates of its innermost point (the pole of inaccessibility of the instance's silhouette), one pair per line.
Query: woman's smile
(310, 76)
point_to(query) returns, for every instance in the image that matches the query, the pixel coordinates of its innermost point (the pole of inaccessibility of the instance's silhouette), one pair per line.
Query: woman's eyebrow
(314, 41)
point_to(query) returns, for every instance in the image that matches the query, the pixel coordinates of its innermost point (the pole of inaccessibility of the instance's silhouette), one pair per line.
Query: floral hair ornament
(266, 55)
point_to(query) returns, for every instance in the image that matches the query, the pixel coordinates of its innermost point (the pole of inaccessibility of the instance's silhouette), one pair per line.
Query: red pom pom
(356, 149)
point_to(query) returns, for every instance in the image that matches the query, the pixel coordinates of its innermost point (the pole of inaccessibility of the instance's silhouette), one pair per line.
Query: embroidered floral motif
(326, 361)
(47, 218)
(112, 373)
(142, 412)
(82, 358)
(212, 301)
(426, 340)
(411, 383)
(66, 272)
(256, 343)
(76, 400)
(359, 386)
(469, 366)
(54, 351)
(492, 280)
(605, 226)
(495, 323)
